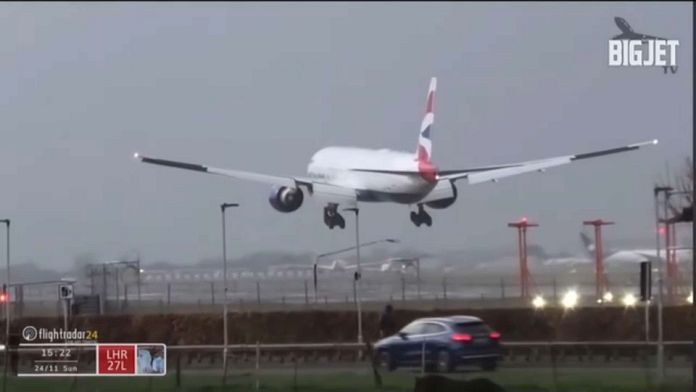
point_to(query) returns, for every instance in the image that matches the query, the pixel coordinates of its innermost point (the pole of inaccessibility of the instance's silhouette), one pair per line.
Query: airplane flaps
(345, 197)
(443, 193)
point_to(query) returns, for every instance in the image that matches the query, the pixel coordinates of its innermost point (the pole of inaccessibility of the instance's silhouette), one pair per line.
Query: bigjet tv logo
(631, 49)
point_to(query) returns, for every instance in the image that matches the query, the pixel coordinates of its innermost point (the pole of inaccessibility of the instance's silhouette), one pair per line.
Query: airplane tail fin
(589, 245)
(424, 150)
(623, 25)
(336, 265)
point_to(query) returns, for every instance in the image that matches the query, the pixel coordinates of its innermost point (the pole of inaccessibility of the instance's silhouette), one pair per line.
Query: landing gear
(332, 217)
(420, 217)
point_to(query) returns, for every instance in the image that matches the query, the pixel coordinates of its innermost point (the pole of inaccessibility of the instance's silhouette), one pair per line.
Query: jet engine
(285, 199)
(444, 203)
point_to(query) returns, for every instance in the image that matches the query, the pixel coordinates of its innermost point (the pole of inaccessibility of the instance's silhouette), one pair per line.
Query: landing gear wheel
(421, 217)
(328, 221)
(332, 218)
(415, 219)
(427, 219)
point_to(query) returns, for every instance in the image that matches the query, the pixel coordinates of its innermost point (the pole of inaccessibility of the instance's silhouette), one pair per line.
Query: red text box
(116, 358)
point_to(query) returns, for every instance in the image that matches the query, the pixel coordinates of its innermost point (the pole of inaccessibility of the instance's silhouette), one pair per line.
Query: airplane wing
(479, 175)
(238, 174)
(650, 37)
(327, 192)
(637, 36)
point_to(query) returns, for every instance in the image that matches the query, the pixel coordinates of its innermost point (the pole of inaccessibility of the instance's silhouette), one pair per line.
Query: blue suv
(441, 344)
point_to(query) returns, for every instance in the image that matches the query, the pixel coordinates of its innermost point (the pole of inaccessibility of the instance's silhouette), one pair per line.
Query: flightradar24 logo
(631, 49)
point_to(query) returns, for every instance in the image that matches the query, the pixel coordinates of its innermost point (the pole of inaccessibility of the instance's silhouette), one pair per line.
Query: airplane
(628, 33)
(336, 265)
(683, 255)
(390, 264)
(399, 264)
(348, 175)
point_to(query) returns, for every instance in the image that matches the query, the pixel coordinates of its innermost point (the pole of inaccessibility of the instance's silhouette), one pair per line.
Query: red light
(661, 230)
(523, 219)
(3, 297)
(494, 335)
(461, 337)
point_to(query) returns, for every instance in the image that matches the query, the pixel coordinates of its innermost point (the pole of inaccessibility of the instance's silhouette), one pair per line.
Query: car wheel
(489, 365)
(386, 361)
(444, 362)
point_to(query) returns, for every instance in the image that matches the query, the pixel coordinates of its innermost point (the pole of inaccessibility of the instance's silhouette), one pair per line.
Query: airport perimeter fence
(336, 292)
(538, 366)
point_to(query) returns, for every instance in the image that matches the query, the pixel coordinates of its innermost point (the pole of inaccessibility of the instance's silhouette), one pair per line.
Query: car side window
(414, 328)
(433, 328)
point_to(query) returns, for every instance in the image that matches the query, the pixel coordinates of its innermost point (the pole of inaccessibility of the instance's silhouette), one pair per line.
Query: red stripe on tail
(425, 168)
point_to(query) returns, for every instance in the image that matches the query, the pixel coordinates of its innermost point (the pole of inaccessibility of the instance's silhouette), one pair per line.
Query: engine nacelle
(286, 199)
(444, 203)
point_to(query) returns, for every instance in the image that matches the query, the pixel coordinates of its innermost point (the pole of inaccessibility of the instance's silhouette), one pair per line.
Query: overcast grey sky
(263, 86)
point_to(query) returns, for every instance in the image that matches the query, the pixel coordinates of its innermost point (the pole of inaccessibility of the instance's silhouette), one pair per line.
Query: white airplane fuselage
(341, 166)
(638, 255)
(632, 256)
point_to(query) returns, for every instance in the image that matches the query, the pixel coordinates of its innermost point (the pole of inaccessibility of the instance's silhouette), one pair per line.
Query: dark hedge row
(340, 326)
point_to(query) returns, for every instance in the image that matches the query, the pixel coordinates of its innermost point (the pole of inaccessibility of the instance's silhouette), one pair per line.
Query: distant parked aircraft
(635, 255)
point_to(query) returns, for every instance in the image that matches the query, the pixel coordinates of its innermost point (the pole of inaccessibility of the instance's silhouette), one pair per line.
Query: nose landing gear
(332, 217)
(421, 217)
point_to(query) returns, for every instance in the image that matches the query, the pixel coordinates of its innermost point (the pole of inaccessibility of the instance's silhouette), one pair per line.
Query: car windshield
(412, 329)
(475, 328)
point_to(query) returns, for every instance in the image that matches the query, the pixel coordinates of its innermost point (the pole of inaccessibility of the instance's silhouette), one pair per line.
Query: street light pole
(223, 207)
(104, 291)
(118, 294)
(7, 283)
(140, 271)
(358, 272)
(660, 297)
(418, 281)
(7, 307)
(315, 277)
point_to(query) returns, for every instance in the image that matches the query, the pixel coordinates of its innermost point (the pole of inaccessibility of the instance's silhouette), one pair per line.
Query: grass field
(513, 380)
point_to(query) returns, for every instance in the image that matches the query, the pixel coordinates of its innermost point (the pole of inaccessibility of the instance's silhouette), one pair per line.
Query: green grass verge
(512, 380)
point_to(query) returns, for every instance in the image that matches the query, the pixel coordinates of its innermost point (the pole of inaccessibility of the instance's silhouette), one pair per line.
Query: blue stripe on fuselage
(377, 196)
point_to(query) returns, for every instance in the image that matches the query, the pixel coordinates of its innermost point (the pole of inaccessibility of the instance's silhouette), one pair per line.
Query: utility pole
(7, 306)
(223, 207)
(7, 283)
(104, 291)
(660, 281)
(140, 271)
(358, 273)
